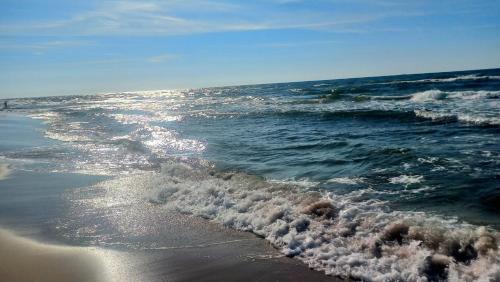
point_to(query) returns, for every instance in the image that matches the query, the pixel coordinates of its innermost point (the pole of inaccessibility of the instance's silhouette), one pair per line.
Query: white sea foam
(303, 182)
(478, 120)
(346, 180)
(406, 179)
(436, 95)
(458, 78)
(429, 95)
(435, 116)
(472, 95)
(346, 235)
(461, 117)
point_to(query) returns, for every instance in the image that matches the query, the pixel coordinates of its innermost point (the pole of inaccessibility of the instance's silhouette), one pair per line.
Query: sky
(60, 47)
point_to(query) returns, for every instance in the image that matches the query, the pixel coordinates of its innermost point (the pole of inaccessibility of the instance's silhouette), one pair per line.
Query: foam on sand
(4, 171)
(22, 259)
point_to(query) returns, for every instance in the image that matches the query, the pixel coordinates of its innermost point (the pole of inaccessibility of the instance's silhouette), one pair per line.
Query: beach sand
(22, 259)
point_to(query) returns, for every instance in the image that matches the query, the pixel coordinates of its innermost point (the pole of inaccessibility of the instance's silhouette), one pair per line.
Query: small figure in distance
(5, 106)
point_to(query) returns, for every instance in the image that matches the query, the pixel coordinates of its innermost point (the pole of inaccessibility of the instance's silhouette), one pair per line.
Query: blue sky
(59, 47)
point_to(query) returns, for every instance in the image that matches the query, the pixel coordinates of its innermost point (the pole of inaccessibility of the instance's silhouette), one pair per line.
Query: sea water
(384, 178)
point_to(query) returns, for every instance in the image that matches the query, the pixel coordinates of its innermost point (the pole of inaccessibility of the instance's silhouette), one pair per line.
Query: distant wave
(367, 114)
(430, 95)
(330, 92)
(433, 95)
(389, 114)
(340, 235)
(446, 80)
(454, 117)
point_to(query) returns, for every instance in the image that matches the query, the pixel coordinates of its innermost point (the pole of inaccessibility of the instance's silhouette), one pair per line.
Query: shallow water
(417, 150)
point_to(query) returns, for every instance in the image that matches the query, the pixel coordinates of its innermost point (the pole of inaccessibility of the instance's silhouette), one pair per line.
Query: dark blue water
(417, 143)
(427, 141)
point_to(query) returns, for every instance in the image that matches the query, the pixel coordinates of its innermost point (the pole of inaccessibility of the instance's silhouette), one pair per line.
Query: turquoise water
(410, 147)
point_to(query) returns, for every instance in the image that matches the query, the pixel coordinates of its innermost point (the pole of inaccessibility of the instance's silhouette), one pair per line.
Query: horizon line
(251, 84)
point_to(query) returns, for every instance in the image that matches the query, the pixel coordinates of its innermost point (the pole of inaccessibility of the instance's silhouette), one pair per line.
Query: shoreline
(183, 248)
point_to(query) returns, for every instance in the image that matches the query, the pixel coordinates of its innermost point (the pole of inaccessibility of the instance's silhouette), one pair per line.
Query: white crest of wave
(435, 116)
(478, 120)
(436, 95)
(472, 95)
(448, 79)
(429, 95)
(346, 180)
(461, 117)
(458, 78)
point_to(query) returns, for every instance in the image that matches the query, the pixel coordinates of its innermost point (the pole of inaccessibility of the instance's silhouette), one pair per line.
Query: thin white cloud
(295, 44)
(288, 1)
(162, 58)
(41, 47)
(151, 18)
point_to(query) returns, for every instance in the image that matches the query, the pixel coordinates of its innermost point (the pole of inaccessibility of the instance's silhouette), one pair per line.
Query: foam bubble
(406, 179)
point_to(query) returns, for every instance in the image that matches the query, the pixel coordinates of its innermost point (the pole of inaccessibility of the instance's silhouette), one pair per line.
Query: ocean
(391, 178)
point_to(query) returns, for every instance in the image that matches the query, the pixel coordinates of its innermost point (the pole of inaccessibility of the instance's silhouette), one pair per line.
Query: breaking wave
(457, 117)
(433, 95)
(347, 236)
(448, 79)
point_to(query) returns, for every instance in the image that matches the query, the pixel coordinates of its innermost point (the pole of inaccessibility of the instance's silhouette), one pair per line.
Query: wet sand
(4, 171)
(22, 259)
(134, 243)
